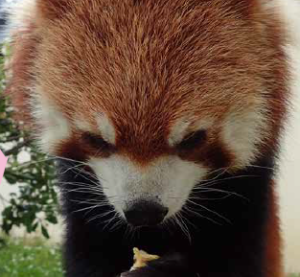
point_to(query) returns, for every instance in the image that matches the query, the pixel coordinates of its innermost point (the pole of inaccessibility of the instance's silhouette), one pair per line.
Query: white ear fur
(54, 126)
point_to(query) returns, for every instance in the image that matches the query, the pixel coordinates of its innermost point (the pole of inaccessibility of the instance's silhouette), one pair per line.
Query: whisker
(93, 201)
(85, 174)
(262, 167)
(29, 163)
(82, 188)
(223, 171)
(209, 199)
(229, 193)
(69, 160)
(206, 184)
(189, 210)
(177, 217)
(73, 167)
(209, 210)
(100, 216)
(109, 221)
(88, 208)
(117, 224)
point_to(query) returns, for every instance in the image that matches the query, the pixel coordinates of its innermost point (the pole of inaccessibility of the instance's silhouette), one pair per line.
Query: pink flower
(3, 161)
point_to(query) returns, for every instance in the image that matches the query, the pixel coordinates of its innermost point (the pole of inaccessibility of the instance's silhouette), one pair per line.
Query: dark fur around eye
(96, 141)
(192, 140)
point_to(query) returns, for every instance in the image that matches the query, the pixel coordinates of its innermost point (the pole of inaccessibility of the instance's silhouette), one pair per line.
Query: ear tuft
(53, 9)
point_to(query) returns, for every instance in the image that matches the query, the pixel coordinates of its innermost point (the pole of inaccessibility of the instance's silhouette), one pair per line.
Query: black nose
(145, 213)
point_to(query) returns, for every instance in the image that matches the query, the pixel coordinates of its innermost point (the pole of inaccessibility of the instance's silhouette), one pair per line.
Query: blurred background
(31, 230)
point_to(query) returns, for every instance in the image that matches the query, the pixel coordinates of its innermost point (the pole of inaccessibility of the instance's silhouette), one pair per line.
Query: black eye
(192, 140)
(96, 141)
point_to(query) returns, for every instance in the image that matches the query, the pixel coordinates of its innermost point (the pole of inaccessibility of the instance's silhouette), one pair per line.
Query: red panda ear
(52, 9)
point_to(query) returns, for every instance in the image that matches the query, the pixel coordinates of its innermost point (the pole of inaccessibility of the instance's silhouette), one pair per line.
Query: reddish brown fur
(52, 9)
(78, 149)
(212, 153)
(125, 63)
(273, 261)
(146, 64)
(20, 73)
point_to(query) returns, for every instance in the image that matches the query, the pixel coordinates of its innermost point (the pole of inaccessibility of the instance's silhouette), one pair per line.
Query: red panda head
(153, 95)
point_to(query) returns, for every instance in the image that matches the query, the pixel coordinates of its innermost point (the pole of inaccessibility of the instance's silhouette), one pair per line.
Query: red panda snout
(167, 182)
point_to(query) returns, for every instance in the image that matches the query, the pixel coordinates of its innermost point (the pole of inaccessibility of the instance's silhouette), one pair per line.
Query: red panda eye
(192, 140)
(96, 141)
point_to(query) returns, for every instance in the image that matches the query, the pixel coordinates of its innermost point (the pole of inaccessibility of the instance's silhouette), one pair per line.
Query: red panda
(165, 118)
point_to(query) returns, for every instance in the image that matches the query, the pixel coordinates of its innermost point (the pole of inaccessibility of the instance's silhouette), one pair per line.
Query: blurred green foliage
(35, 204)
(31, 259)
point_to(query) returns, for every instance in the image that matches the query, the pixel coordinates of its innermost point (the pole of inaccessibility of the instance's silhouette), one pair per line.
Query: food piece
(141, 258)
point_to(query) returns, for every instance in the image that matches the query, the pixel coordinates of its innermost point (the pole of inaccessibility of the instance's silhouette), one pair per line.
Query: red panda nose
(146, 213)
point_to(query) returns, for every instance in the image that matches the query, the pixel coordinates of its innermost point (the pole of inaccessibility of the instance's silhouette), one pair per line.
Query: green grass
(34, 260)
(30, 260)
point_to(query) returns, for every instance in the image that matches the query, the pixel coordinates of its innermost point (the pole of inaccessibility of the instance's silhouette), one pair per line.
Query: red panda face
(156, 95)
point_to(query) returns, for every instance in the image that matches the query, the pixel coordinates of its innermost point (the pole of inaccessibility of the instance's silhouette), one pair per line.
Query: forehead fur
(146, 64)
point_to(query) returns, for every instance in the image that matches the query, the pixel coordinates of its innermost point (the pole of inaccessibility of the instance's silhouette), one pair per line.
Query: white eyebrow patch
(106, 128)
(183, 127)
(82, 125)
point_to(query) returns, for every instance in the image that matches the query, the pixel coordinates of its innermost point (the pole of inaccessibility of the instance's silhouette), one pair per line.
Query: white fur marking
(54, 125)
(183, 127)
(169, 181)
(106, 128)
(242, 130)
(82, 125)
